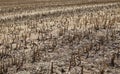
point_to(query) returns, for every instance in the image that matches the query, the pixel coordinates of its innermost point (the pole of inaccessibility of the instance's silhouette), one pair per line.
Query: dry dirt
(59, 37)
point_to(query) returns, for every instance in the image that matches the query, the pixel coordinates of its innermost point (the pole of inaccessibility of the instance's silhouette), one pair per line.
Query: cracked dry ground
(70, 43)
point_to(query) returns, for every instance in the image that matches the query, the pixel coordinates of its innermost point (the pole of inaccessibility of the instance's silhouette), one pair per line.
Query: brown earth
(66, 39)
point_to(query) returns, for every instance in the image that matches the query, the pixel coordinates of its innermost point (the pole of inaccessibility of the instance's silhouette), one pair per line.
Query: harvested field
(60, 37)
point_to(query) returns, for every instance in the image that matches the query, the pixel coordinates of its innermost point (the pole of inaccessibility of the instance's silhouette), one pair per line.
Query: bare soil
(60, 37)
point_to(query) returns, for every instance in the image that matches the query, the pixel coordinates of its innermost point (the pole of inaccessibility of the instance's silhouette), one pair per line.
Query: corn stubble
(77, 41)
